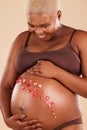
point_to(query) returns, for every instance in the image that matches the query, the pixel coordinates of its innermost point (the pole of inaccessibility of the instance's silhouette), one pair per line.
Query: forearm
(75, 83)
(5, 98)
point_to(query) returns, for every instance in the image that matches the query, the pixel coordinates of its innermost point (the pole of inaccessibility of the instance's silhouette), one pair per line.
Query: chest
(36, 45)
(64, 58)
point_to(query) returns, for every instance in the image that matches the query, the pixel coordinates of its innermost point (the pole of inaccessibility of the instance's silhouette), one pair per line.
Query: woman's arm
(74, 83)
(6, 86)
(8, 80)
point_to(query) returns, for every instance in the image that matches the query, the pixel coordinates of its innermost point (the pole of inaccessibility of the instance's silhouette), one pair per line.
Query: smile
(42, 36)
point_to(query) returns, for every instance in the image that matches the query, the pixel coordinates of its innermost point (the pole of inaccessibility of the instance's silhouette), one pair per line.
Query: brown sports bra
(64, 58)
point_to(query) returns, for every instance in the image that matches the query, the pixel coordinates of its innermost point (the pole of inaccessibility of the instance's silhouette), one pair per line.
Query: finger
(34, 121)
(38, 72)
(33, 127)
(36, 126)
(39, 62)
(39, 125)
(31, 70)
(18, 117)
(29, 123)
(35, 70)
(25, 128)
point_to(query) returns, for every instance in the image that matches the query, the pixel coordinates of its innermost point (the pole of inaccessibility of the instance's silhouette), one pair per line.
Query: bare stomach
(45, 99)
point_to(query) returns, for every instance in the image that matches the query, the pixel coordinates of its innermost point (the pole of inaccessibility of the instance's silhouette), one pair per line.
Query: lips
(42, 36)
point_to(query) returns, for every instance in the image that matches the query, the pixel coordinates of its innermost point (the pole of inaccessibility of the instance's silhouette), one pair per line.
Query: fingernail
(35, 120)
(23, 116)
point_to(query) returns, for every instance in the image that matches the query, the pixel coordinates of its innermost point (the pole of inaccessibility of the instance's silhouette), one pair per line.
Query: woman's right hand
(15, 122)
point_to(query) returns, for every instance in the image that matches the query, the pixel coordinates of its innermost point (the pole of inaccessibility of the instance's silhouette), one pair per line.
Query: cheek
(30, 29)
(51, 29)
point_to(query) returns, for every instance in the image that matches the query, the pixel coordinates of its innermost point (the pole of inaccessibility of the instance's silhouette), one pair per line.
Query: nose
(39, 30)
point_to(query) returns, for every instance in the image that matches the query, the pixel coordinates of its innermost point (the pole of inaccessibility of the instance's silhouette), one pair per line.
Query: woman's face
(43, 25)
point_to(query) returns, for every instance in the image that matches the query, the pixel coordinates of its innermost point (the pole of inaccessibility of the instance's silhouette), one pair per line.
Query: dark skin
(50, 24)
(6, 87)
(80, 47)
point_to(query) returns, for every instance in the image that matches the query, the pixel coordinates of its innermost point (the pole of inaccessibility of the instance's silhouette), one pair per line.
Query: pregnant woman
(42, 78)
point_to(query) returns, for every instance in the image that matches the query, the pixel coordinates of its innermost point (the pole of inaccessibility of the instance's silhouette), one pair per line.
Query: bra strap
(72, 35)
(26, 42)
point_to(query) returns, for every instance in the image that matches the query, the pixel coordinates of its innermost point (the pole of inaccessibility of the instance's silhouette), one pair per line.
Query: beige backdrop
(13, 21)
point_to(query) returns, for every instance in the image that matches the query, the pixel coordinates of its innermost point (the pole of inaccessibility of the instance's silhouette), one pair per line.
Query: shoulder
(18, 43)
(79, 40)
(21, 38)
(81, 35)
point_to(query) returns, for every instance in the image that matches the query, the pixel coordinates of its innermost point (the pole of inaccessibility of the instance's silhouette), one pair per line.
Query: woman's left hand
(43, 68)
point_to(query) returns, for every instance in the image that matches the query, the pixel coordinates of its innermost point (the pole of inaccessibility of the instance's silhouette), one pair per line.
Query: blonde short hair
(42, 6)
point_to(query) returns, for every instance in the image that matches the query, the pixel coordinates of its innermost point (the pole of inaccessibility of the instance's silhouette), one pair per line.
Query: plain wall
(13, 21)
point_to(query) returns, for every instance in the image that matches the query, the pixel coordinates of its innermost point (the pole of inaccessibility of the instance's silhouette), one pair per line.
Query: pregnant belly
(45, 99)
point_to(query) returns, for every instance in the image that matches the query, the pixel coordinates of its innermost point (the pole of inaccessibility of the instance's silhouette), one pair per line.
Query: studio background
(13, 21)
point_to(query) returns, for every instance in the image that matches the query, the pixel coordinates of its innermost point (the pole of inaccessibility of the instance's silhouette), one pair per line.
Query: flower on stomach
(36, 89)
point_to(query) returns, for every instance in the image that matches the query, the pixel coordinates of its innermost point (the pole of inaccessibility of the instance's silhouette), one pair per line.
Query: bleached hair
(43, 6)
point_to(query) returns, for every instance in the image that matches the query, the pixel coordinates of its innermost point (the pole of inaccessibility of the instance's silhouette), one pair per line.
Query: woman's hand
(15, 122)
(43, 68)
